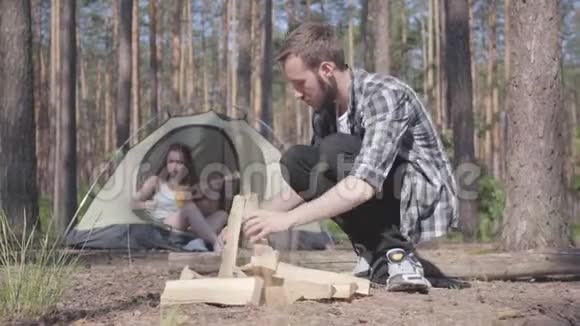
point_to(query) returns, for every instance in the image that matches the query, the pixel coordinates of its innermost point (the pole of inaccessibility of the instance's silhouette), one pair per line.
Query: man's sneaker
(362, 268)
(405, 272)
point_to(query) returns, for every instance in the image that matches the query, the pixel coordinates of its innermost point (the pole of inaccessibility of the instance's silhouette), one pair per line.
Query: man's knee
(293, 156)
(338, 151)
(296, 163)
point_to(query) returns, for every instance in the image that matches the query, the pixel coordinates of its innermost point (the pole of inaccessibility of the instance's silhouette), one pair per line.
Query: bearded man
(375, 165)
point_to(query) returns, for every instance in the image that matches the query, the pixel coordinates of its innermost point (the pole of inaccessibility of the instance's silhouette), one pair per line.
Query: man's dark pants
(372, 227)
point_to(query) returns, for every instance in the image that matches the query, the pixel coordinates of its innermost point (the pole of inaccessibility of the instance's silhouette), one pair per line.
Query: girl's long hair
(191, 178)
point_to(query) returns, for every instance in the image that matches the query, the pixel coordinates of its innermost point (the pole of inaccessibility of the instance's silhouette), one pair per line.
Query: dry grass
(33, 272)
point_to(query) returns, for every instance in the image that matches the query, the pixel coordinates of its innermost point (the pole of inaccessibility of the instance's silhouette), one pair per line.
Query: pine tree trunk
(382, 37)
(431, 61)
(404, 40)
(206, 104)
(444, 113)
(244, 73)
(267, 48)
(154, 75)
(233, 76)
(190, 72)
(18, 187)
(350, 59)
(494, 93)
(54, 97)
(124, 81)
(458, 68)
(436, 66)
(176, 52)
(110, 112)
(491, 53)
(256, 58)
(65, 194)
(535, 214)
(364, 42)
(225, 81)
(474, 77)
(135, 60)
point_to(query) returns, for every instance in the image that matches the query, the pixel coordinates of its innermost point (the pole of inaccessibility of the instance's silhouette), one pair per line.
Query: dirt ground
(115, 290)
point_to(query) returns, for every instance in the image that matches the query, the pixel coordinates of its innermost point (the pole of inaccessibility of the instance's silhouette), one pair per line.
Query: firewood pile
(265, 280)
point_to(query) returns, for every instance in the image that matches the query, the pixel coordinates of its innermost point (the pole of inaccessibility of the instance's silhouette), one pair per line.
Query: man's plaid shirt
(391, 120)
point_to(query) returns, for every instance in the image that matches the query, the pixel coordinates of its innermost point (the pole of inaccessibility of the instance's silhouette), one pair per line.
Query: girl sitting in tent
(169, 198)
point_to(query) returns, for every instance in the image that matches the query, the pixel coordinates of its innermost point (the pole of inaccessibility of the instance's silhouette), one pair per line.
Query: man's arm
(387, 120)
(282, 202)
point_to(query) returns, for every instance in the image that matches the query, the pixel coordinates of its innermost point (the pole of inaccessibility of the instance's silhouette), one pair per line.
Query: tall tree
(176, 51)
(267, 48)
(65, 192)
(535, 187)
(124, 79)
(153, 64)
(458, 70)
(135, 61)
(364, 37)
(382, 36)
(18, 187)
(244, 66)
(224, 76)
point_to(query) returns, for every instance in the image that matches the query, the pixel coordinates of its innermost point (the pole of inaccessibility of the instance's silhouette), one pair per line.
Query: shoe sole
(408, 287)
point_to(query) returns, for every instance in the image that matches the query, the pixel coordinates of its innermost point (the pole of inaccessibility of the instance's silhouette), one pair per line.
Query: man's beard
(330, 91)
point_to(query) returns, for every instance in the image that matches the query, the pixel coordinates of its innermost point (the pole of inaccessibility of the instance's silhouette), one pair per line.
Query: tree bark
(54, 96)
(350, 59)
(444, 113)
(65, 195)
(153, 64)
(176, 51)
(244, 58)
(267, 48)
(18, 187)
(224, 76)
(364, 42)
(233, 76)
(382, 37)
(190, 72)
(431, 104)
(124, 80)
(135, 60)
(458, 66)
(535, 187)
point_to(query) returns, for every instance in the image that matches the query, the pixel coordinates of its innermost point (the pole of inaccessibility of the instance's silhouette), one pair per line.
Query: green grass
(335, 231)
(34, 272)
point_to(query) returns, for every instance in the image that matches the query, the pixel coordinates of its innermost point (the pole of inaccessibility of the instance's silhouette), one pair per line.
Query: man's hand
(260, 223)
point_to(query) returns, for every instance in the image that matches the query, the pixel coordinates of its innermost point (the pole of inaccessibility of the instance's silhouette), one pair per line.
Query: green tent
(220, 145)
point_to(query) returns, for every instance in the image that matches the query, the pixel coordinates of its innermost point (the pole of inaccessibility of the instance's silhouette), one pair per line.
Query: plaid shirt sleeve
(386, 119)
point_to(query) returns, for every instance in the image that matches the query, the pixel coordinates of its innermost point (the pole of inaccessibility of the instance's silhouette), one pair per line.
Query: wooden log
(188, 274)
(344, 291)
(202, 262)
(292, 272)
(501, 266)
(230, 250)
(305, 290)
(226, 291)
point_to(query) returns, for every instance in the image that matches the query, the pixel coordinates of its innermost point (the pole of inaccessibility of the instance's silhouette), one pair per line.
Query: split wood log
(344, 291)
(292, 272)
(226, 291)
(188, 274)
(230, 250)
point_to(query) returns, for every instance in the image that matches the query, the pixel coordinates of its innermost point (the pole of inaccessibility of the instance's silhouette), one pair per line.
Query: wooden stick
(230, 251)
(226, 291)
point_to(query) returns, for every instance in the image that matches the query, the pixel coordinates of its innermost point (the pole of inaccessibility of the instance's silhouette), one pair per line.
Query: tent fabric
(219, 145)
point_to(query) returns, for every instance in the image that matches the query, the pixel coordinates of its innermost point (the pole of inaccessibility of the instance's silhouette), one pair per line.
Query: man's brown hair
(313, 42)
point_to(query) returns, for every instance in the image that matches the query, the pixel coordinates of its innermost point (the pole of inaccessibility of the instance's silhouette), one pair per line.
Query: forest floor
(116, 290)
